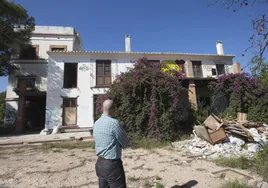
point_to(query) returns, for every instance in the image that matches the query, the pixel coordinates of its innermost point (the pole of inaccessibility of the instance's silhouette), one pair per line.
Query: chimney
(127, 43)
(219, 47)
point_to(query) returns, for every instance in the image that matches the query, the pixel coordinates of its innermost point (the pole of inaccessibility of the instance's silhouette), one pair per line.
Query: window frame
(19, 79)
(103, 76)
(63, 110)
(57, 46)
(65, 75)
(217, 68)
(195, 69)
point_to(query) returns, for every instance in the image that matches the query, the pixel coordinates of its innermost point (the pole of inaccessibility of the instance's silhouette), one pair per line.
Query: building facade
(70, 79)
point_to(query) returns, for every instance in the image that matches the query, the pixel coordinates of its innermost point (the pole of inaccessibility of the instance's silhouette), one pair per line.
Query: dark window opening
(29, 82)
(28, 52)
(181, 64)
(69, 111)
(103, 73)
(69, 102)
(197, 68)
(214, 72)
(70, 75)
(57, 49)
(220, 69)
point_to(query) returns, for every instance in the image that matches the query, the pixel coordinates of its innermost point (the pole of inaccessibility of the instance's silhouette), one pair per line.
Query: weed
(69, 145)
(147, 184)
(133, 178)
(159, 185)
(258, 163)
(235, 162)
(149, 169)
(158, 178)
(235, 184)
(146, 143)
(184, 137)
(261, 163)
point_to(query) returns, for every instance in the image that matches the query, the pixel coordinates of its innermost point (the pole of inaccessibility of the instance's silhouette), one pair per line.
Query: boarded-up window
(69, 111)
(103, 73)
(197, 68)
(220, 69)
(70, 75)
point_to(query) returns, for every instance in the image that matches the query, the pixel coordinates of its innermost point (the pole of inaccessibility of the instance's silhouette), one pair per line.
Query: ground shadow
(189, 184)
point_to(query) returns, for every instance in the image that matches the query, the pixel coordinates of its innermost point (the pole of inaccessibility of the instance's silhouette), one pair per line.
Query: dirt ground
(65, 168)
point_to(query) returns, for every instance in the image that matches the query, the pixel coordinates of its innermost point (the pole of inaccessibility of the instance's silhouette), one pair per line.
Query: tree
(257, 69)
(259, 39)
(15, 28)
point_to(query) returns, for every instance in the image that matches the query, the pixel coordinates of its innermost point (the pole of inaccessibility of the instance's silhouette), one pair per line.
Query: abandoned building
(57, 81)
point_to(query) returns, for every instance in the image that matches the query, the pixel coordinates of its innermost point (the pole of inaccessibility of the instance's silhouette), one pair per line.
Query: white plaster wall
(39, 70)
(53, 99)
(11, 112)
(87, 81)
(78, 44)
(45, 41)
(53, 30)
(207, 66)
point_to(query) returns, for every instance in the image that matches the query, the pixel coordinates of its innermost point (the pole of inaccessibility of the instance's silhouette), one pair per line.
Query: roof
(53, 30)
(138, 53)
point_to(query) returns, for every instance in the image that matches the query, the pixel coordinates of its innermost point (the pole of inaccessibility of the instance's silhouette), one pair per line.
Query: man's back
(109, 137)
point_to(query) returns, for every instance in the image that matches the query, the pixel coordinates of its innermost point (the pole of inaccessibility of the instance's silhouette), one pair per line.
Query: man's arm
(120, 135)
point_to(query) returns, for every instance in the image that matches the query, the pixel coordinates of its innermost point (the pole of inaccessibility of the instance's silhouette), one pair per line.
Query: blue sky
(154, 25)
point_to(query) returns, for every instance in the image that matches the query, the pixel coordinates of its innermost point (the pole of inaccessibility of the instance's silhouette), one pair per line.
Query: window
(214, 72)
(70, 75)
(197, 68)
(29, 51)
(103, 73)
(69, 111)
(220, 69)
(26, 82)
(54, 48)
(181, 64)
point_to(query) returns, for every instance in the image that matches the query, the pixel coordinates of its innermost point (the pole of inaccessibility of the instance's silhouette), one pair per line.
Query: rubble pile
(217, 137)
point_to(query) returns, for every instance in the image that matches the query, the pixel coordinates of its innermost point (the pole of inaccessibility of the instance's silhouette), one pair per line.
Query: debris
(242, 117)
(45, 131)
(212, 137)
(213, 122)
(217, 137)
(230, 174)
(236, 141)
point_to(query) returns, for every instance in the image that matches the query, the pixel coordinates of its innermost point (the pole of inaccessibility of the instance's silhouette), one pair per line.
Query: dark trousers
(111, 173)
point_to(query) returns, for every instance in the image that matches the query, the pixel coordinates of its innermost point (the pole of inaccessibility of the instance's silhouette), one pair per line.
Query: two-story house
(72, 78)
(27, 86)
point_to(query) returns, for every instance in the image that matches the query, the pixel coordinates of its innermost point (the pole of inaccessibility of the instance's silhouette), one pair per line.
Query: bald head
(106, 106)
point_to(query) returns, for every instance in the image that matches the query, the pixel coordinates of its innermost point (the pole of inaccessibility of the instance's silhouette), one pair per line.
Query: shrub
(258, 163)
(150, 103)
(235, 184)
(244, 93)
(235, 162)
(261, 163)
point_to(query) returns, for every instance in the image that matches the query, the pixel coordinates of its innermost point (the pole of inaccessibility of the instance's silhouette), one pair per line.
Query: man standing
(109, 138)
